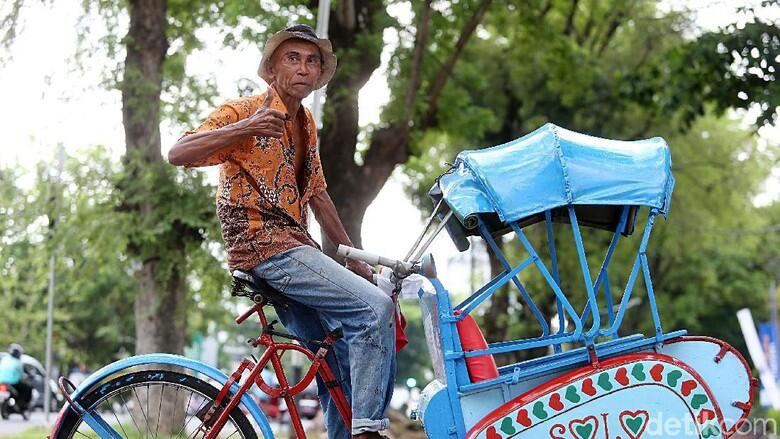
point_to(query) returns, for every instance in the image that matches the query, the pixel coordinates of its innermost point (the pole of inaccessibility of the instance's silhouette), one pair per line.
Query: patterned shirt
(257, 226)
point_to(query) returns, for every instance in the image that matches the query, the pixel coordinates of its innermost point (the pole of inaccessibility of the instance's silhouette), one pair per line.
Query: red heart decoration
(587, 387)
(705, 415)
(555, 402)
(491, 433)
(688, 386)
(523, 419)
(622, 376)
(655, 372)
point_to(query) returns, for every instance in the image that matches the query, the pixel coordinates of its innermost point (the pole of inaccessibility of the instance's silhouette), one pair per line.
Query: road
(15, 424)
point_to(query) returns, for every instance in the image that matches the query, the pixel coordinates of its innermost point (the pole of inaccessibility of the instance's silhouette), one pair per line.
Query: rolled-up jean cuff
(364, 425)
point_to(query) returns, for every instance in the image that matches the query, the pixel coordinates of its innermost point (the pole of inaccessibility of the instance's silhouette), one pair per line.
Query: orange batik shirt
(254, 226)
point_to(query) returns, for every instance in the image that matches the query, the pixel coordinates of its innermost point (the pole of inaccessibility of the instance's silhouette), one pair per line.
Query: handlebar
(372, 259)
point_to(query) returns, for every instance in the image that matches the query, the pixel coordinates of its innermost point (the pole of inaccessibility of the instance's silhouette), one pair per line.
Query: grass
(32, 433)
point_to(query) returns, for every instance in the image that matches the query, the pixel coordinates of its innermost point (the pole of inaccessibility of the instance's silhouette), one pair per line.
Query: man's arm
(197, 147)
(328, 217)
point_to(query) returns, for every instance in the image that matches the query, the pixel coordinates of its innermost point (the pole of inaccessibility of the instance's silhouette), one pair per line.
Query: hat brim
(329, 61)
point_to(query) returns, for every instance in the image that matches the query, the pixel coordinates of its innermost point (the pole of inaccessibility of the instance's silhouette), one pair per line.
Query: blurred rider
(12, 374)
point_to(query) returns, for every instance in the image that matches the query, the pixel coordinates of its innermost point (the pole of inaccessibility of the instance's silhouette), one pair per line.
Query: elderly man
(270, 172)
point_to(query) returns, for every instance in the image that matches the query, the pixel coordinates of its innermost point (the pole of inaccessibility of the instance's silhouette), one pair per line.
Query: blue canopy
(553, 167)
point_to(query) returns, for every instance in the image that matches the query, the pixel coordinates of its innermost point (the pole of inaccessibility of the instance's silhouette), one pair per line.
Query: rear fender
(172, 360)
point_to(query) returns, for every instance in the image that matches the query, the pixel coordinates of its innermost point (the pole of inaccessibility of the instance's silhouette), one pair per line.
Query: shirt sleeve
(224, 115)
(318, 184)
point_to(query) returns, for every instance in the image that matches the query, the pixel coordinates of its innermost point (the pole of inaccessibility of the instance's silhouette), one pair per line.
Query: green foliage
(81, 221)
(622, 70)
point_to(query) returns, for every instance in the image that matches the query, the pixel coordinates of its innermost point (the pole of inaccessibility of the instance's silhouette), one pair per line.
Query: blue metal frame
(454, 356)
(103, 429)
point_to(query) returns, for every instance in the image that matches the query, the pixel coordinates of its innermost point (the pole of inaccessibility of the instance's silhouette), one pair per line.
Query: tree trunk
(354, 186)
(160, 317)
(159, 306)
(355, 20)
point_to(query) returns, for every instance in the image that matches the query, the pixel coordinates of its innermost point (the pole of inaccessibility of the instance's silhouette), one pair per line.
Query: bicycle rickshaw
(595, 383)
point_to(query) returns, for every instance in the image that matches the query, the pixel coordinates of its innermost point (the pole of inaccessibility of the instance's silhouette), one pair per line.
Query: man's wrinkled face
(296, 66)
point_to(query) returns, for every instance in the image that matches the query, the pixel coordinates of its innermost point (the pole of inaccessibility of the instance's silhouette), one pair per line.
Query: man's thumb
(269, 96)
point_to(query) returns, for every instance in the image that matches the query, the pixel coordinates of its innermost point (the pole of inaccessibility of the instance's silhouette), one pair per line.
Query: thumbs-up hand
(266, 121)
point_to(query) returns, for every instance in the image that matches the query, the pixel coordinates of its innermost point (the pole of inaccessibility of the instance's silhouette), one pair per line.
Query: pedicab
(606, 384)
(595, 383)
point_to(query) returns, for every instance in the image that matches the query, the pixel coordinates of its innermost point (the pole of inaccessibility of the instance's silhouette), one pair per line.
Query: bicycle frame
(272, 354)
(233, 392)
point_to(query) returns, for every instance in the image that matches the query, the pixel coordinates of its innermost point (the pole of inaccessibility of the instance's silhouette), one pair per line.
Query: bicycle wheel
(152, 403)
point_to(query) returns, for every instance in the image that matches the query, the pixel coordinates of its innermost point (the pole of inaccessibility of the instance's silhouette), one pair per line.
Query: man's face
(296, 66)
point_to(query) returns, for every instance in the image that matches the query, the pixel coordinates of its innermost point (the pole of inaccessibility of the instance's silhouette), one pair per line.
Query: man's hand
(267, 121)
(360, 268)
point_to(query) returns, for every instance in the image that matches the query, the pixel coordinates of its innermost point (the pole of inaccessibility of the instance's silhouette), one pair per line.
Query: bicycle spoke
(142, 412)
(147, 411)
(130, 411)
(117, 419)
(127, 401)
(197, 429)
(159, 409)
(231, 434)
(184, 428)
(186, 409)
(175, 401)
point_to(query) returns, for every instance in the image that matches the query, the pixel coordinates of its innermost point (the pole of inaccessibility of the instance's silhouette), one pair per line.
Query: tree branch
(545, 10)
(8, 27)
(446, 70)
(588, 28)
(615, 23)
(420, 40)
(569, 28)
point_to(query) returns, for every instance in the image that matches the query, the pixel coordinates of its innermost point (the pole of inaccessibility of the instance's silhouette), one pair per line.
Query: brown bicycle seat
(257, 289)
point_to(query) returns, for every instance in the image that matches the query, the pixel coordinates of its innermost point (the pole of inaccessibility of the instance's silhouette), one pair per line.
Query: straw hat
(301, 32)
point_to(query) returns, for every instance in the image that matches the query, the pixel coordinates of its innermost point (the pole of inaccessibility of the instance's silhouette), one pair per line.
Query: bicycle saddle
(257, 289)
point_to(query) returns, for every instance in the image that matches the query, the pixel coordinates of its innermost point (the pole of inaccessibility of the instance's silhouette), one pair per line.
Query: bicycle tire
(71, 421)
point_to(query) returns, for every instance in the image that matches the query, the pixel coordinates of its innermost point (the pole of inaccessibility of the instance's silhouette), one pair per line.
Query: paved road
(15, 424)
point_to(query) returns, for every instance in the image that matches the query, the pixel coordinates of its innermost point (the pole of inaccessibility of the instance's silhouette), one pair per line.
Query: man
(12, 373)
(270, 172)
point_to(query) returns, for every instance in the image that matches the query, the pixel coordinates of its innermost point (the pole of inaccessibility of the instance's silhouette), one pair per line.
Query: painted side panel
(723, 369)
(626, 395)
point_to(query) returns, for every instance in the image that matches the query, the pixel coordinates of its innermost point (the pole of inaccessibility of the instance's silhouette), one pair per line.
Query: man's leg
(311, 278)
(24, 394)
(307, 323)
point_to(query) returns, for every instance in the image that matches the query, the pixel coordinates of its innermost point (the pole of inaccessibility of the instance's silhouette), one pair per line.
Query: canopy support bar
(556, 276)
(632, 280)
(548, 277)
(527, 297)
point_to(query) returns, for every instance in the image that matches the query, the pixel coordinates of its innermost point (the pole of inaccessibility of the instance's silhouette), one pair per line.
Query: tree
(616, 69)
(357, 36)
(93, 320)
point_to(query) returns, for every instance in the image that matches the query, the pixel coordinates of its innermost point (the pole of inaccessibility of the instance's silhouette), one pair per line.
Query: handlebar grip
(372, 259)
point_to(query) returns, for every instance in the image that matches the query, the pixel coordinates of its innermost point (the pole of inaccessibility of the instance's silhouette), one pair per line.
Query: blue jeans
(326, 295)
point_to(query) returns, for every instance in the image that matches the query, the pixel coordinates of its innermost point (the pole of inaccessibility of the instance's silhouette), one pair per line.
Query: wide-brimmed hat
(301, 32)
